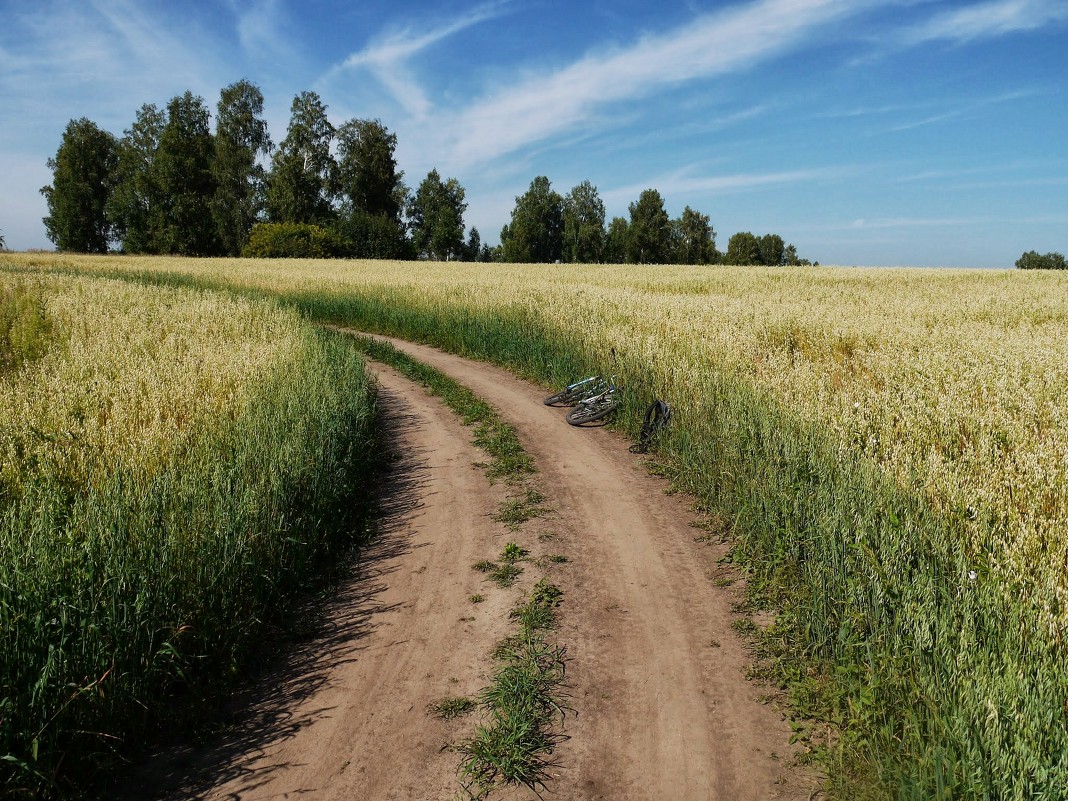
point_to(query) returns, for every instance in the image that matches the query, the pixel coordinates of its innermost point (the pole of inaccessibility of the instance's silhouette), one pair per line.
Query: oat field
(887, 449)
(167, 457)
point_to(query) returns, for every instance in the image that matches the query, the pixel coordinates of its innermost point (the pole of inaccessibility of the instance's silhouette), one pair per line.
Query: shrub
(290, 241)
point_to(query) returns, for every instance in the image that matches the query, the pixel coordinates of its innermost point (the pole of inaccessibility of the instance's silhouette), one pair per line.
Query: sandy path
(661, 708)
(346, 717)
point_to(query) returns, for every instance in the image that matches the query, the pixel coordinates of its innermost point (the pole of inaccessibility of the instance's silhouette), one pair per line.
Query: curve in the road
(664, 710)
(661, 708)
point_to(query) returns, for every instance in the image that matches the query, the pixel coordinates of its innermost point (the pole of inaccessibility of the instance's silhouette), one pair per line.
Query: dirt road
(661, 708)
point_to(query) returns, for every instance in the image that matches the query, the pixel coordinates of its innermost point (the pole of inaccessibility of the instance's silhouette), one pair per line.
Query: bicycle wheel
(589, 412)
(563, 396)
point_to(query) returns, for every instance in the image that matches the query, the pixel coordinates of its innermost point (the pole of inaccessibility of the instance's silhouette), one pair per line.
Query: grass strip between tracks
(492, 434)
(521, 706)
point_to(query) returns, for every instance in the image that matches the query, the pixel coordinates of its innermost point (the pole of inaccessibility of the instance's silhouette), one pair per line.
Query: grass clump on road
(505, 575)
(539, 611)
(519, 509)
(523, 704)
(509, 460)
(449, 708)
(513, 552)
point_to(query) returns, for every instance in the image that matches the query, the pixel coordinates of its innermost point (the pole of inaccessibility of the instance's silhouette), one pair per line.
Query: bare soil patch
(661, 708)
(346, 715)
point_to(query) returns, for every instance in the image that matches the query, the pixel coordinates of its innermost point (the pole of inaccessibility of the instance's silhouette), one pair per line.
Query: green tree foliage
(290, 241)
(649, 231)
(240, 138)
(1032, 260)
(436, 218)
(83, 173)
(302, 167)
(584, 234)
(473, 248)
(136, 195)
(772, 250)
(182, 222)
(536, 233)
(791, 259)
(370, 192)
(359, 235)
(743, 249)
(366, 178)
(693, 241)
(615, 241)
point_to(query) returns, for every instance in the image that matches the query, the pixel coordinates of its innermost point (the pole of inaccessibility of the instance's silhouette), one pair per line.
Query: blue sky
(871, 132)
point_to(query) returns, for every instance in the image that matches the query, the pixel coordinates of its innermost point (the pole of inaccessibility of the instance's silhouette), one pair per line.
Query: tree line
(172, 185)
(1033, 260)
(548, 227)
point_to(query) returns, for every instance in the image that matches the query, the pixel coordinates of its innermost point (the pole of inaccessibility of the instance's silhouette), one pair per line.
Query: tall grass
(170, 472)
(25, 327)
(890, 448)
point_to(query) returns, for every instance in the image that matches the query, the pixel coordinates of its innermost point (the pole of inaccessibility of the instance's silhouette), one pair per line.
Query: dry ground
(661, 708)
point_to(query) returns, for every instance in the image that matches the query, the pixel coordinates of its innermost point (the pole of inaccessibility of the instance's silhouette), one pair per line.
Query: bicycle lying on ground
(593, 398)
(594, 407)
(657, 417)
(573, 393)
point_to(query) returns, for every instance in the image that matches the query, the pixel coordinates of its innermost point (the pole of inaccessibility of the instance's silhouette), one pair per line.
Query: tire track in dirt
(661, 707)
(346, 716)
(657, 674)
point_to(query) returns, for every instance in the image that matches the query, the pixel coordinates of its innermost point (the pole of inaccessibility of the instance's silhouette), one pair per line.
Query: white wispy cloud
(989, 19)
(102, 60)
(387, 57)
(864, 224)
(260, 27)
(1020, 173)
(682, 183)
(544, 105)
(710, 122)
(942, 174)
(154, 46)
(970, 106)
(855, 112)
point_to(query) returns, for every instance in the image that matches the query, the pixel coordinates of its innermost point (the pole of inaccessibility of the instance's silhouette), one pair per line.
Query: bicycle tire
(564, 396)
(589, 413)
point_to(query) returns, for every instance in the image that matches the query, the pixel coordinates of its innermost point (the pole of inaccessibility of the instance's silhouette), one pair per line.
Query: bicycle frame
(599, 392)
(583, 382)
